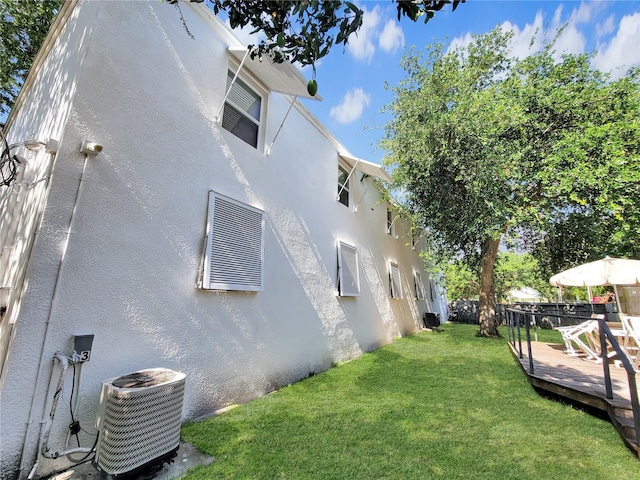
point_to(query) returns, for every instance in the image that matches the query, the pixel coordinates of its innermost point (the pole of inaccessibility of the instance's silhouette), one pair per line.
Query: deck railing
(517, 318)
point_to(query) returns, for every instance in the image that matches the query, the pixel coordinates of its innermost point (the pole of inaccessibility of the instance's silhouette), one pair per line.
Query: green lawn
(433, 405)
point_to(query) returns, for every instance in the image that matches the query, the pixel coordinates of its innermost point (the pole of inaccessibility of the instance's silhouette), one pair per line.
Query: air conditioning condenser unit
(138, 420)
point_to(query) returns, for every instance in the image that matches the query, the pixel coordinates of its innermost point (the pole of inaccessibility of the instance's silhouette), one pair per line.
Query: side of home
(216, 229)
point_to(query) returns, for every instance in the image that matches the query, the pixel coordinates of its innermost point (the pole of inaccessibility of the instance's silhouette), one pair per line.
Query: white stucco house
(176, 203)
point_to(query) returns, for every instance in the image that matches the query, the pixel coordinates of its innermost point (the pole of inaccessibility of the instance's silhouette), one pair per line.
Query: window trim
(391, 222)
(255, 265)
(394, 268)
(343, 266)
(419, 286)
(238, 74)
(346, 187)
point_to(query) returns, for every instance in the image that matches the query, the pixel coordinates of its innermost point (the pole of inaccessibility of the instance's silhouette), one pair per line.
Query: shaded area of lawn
(432, 405)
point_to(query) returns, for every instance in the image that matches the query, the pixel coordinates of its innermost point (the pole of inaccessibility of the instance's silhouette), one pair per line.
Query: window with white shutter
(395, 287)
(348, 275)
(235, 244)
(391, 222)
(417, 278)
(242, 111)
(343, 186)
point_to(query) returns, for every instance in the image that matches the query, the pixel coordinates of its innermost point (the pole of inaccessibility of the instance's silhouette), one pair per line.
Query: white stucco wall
(128, 77)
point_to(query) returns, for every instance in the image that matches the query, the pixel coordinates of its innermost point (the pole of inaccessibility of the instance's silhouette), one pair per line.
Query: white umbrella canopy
(608, 271)
(524, 294)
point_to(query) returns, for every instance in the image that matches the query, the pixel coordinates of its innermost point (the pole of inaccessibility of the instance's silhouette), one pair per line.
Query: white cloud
(351, 107)
(616, 55)
(529, 39)
(392, 37)
(532, 37)
(583, 13)
(460, 42)
(606, 27)
(571, 40)
(622, 51)
(361, 44)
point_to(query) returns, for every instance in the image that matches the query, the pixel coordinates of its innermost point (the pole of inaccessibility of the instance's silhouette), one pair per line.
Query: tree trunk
(487, 304)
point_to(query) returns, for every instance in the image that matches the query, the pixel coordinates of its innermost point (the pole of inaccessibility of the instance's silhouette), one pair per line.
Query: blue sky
(351, 80)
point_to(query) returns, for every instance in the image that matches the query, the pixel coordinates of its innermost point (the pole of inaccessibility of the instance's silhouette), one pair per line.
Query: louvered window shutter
(394, 280)
(419, 286)
(242, 111)
(234, 251)
(348, 275)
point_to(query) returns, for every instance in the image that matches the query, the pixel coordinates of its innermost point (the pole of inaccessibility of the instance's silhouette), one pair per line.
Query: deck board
(581, 380)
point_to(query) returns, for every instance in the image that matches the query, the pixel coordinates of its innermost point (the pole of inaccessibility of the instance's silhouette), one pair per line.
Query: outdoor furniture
(593, 338)
(631, 342)
(586, 337)
(617, 272)
(574, 334)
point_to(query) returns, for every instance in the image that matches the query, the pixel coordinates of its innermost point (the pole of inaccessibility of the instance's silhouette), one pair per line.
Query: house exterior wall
(119, 238)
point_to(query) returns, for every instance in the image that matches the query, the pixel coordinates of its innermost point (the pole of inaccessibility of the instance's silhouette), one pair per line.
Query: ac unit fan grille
(138, 425)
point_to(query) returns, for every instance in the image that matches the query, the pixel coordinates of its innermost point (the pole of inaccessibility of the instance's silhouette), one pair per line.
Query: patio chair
(631, 344)
(577, 334)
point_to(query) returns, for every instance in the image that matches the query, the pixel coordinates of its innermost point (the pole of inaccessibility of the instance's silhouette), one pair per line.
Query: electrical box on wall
(82, 347)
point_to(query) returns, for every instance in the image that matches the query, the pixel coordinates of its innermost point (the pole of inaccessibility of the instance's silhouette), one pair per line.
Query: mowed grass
(442, 405)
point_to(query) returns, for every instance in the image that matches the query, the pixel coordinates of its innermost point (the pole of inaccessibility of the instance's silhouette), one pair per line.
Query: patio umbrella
(608, 271)
(524, 294)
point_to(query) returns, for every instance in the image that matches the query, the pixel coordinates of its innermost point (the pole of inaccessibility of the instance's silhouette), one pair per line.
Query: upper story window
(343, 186)
(242, 111)
(391, 221)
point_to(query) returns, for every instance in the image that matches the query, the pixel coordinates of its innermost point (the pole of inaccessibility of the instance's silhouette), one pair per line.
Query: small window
(391, 227)
(234, 251)
(348, 276)
(343, 186)
(395, 287)
(242, 111)
(417, 279)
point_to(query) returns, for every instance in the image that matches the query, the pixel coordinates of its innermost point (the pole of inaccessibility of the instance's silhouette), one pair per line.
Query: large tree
(512, 271)
(486, 147)
(24, 24)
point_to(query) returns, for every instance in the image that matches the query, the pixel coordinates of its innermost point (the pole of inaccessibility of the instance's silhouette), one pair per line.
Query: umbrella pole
(615, 291)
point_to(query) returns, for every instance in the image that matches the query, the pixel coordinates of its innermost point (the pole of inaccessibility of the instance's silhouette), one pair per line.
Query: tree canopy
(303, 31)
(512, 271)
(23, 24)
(487, 148)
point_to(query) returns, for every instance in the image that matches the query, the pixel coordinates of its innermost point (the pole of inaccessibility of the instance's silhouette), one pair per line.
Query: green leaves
(305, 31)
(23, 24)
(484, 145)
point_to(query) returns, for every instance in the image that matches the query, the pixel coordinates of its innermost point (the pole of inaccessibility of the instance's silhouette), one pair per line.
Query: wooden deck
(582, 382)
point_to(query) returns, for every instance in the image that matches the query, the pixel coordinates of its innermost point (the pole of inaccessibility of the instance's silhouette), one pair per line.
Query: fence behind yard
(547, 314)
